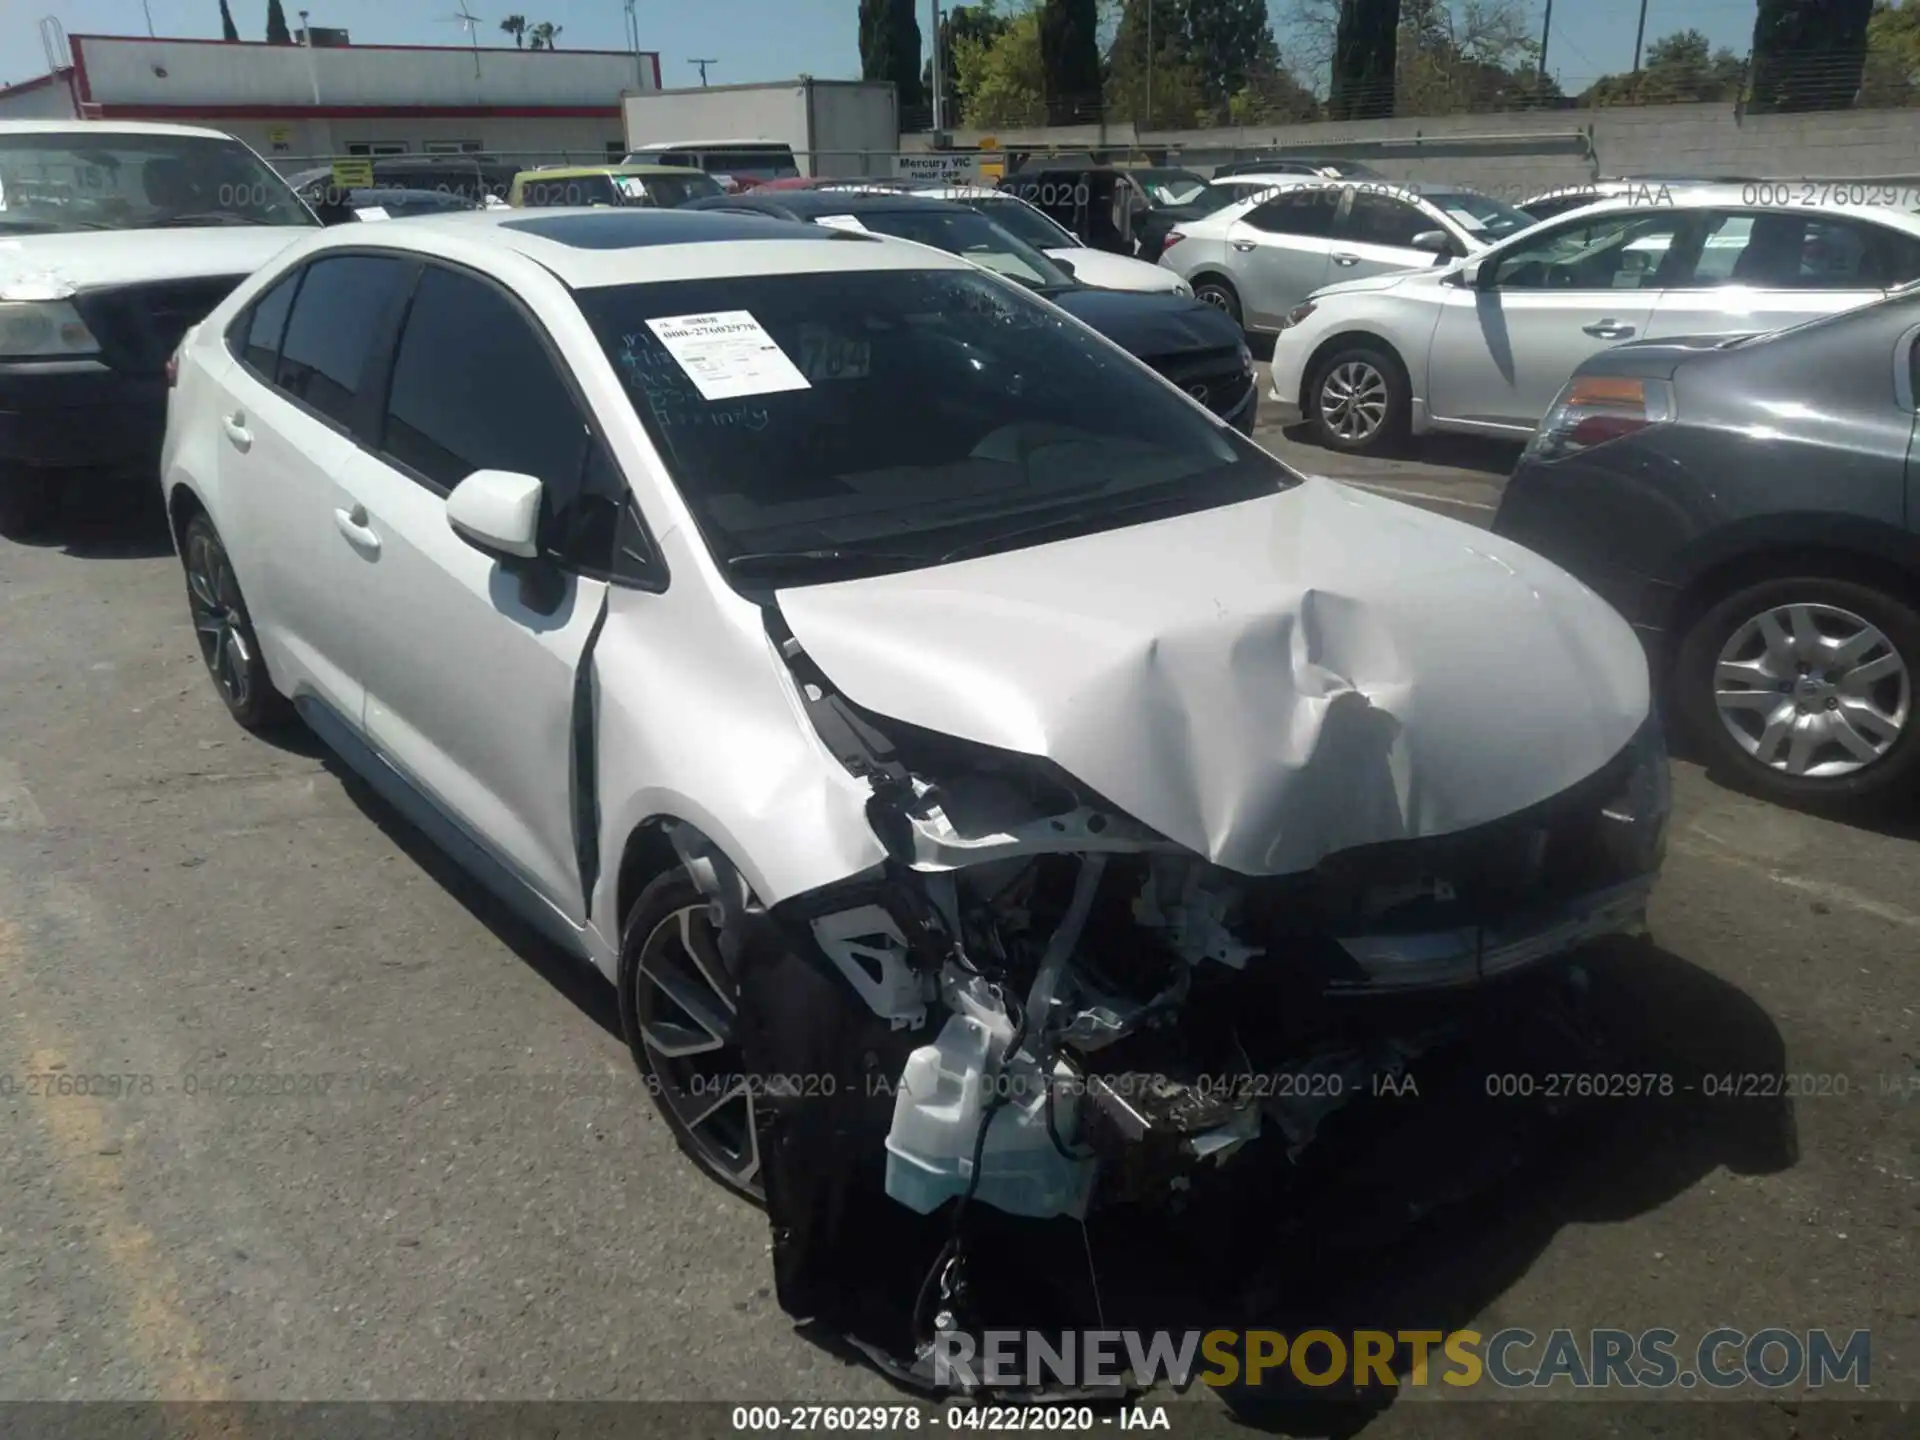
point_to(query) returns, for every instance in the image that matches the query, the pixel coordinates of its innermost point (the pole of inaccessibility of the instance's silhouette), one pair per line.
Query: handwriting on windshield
(674, 400)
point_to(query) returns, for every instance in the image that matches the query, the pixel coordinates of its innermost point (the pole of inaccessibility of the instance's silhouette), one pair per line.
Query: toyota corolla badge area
(952, 742)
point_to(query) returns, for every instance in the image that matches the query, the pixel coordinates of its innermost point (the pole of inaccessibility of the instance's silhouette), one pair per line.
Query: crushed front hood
(1264, 683)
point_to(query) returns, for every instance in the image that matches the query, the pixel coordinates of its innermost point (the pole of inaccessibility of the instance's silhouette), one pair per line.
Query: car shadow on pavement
(1456, 452)
(1611, 1159)
(106, 523)
(573, 978)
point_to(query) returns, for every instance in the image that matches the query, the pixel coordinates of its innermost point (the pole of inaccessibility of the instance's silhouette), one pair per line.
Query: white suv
(908, 699)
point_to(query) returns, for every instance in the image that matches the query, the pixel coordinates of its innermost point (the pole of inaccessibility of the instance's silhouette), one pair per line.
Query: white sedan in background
(1484, 345)
(1262, 255)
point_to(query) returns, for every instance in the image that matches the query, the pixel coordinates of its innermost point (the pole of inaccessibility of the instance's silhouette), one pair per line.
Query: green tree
(1892, 73)
(544, 36)
(228, 30)
(1170, 93)
(1070, 60)
(277, 32)
(890, 46)
(1365, 46)
(1809, 54)
(1002, 77)
(980, 22)
(1472, 58)
(1679, 69)
(516, 26)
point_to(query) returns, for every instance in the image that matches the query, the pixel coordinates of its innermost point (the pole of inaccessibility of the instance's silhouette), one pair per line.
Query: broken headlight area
(1038, 1011)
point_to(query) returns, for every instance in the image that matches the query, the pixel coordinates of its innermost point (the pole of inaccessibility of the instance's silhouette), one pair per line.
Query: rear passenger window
(257, 338)
(341, 305)
(1305, 210)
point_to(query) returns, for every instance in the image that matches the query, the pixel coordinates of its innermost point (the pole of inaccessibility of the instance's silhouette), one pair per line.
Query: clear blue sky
(752, 39)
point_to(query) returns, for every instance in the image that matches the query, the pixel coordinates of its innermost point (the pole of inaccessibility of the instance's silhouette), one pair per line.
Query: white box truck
(826, 128)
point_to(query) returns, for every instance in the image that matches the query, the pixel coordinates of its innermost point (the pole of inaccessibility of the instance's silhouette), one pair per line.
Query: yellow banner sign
(352, 174)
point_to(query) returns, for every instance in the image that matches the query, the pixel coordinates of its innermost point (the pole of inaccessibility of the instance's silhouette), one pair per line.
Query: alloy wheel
(218, 620)
(1353, 400)
(687, 1012)
(1812, 690)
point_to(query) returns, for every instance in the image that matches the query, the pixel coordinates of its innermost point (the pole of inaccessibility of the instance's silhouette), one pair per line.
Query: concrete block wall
(1538, 155)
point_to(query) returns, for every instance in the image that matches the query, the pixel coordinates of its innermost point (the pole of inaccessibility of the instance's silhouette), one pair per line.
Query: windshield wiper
(210, 217)
(761, 562)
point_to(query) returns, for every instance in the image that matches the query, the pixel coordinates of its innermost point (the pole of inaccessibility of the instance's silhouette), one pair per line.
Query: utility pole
(1136, 129)
(703, 69)
(633, 41)
(1546, 32)
(934, 69)
(306, 41)
(1638, 36)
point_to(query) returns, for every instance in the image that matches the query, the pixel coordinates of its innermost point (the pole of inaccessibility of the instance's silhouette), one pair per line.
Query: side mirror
(498, 513)
(1437, 241)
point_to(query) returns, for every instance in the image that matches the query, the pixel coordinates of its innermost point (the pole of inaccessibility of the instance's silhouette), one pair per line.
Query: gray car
(1749, 505)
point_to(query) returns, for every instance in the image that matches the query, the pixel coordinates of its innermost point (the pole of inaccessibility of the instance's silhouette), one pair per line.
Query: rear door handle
(1245, 245)
(1608, 329)
(236, 427)
(354, 524)
(1343, 259)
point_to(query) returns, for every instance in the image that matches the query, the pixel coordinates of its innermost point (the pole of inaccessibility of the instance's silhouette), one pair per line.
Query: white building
(295, 102)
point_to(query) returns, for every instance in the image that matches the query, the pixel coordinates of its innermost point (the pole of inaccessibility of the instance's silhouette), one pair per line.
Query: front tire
(1803, 687)
(1218, 293)
(224, 628)
(679, 1009)
(1359, 401)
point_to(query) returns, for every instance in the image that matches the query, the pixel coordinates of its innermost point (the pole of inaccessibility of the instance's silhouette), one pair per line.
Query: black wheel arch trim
(1332, 345)
(1750, 550)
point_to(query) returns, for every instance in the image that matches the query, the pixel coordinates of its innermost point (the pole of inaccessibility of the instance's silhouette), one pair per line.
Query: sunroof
(637, 229)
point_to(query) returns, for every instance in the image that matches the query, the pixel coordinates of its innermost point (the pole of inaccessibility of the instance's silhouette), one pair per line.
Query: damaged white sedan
(992, 782)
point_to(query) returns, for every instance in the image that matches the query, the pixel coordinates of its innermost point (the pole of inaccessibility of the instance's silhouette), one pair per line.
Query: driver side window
(1628, 250)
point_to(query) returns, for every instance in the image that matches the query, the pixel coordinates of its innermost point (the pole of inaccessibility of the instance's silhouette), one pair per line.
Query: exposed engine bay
(1040, 1008)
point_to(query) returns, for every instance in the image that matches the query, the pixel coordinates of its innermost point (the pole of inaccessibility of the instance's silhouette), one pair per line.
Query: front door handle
(1608, 329)
(236, 427)
(354, 524)
(1245, 245)
(1345, 259)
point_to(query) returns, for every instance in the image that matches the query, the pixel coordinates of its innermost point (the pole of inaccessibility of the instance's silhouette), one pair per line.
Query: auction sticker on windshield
(841, 222)
(728, 354)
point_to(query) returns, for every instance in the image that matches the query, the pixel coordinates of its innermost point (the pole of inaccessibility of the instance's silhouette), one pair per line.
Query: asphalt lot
(484, 1206)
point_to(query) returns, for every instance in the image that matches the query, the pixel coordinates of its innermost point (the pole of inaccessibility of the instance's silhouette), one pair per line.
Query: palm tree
(544, 36)
(228, 30)
(516, 26)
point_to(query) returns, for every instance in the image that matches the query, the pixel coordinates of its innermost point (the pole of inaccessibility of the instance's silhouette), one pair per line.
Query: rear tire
(1358, 400)
(1804, 689)
(224, 629)
(1223, 297)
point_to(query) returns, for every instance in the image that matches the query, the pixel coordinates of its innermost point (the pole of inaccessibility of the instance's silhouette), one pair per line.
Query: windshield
(58, 182)
(1479, 216)
(848, 421)
(972, 236)
(1023, 222)
(1170, 187)
(667, 191)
